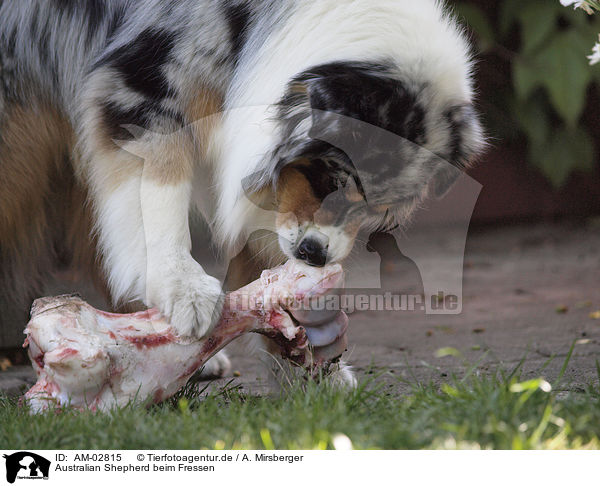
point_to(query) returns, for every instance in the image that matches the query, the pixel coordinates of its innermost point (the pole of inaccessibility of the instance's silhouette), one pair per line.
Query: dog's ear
(353, 104)
(384, 132)
(465, 143)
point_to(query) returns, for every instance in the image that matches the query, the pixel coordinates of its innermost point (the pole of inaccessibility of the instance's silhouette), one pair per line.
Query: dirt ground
(528, 294)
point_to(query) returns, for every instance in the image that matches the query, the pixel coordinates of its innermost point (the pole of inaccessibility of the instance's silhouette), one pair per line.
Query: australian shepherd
(109, 110)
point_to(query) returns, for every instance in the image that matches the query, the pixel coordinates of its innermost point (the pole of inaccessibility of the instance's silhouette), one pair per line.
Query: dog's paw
(187, 295)
(218, 366)
(341, 376)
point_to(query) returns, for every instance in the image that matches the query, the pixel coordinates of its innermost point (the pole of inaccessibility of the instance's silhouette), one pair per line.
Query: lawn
(470, 411)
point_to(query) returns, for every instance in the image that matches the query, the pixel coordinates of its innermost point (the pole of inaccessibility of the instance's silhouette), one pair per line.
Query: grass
(499, 412)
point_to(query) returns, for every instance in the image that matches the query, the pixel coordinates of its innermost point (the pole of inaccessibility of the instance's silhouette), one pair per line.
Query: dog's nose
(312, 252)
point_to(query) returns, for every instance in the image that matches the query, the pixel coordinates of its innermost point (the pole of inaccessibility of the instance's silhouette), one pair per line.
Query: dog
(237, 89)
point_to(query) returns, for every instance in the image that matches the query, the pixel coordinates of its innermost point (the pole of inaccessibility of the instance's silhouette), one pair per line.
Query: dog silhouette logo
(26, 465)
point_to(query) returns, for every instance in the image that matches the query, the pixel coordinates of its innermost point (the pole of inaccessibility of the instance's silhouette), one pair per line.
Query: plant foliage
(549, 79)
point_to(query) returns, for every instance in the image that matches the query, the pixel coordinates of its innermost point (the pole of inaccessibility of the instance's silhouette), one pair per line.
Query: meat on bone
(90, 359)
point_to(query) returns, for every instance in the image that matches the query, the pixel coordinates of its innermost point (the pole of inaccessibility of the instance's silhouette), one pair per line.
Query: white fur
(121, 238)
(144, 236)
(175, 282)
(218, 366)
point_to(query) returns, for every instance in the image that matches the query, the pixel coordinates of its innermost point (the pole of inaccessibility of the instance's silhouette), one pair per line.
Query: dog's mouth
(324, 326)
(324, 333)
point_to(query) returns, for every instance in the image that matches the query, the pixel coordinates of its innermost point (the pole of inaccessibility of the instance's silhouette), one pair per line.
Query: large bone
(90, 359)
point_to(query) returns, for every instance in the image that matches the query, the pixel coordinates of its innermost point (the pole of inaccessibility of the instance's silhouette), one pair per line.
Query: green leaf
(479, 23)
(568, 75)
(562, 69)
(576, 17)
(443, 352)
(525, 78)
(532, 116)
(508, 14)
(566, 151)
(537, 22)
(449, 390)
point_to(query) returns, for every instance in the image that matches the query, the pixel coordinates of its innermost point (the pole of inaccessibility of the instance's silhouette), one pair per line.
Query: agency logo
(26, 465)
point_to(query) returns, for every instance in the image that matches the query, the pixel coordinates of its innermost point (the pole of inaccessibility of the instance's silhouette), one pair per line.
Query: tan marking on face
(295, 197)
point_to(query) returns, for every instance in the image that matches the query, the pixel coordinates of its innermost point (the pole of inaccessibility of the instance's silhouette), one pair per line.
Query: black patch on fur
(459, 118)
(320, 177)
(11, 43)
(142, 115)
(327, 168)
(64, 4)
(33, 21)
(363, 91)
(114, 116)
(366, 92)
(238, 19)
(44, 45)
(95, 13)
(141, 62)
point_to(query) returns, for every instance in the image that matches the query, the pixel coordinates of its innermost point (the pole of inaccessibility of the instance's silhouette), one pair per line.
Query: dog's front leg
(142, 205)
(175, 282)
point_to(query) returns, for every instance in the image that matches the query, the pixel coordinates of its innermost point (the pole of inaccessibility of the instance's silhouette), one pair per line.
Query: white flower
(595, 57)
(578, 4)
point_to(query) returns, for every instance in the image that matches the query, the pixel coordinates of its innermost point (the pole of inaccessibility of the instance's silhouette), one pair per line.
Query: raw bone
(98, 360)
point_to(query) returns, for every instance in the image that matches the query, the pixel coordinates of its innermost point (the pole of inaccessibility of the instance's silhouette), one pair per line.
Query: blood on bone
(39, 360)
(65, 353)
(146, 315)
(150, 340)
(100, 359)
(210, 345)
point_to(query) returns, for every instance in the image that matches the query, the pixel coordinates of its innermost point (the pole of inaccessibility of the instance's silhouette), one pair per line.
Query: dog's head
(359, 146)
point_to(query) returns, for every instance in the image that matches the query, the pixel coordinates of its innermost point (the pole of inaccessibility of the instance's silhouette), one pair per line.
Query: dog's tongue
(326, 334)
(324, 323)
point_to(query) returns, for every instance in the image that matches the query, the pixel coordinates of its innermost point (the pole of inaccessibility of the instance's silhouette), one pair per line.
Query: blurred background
(540, 101)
